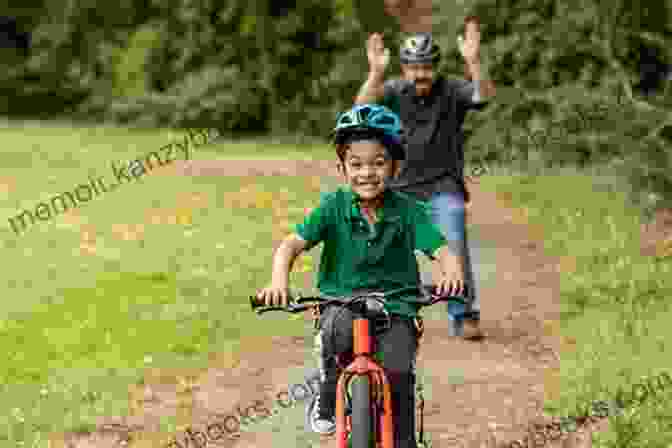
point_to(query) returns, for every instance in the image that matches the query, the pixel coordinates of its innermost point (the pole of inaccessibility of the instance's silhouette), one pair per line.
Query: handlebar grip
(260, 308)
(254, 303)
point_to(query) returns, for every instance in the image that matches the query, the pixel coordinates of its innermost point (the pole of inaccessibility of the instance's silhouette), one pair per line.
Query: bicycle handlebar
(300, 306)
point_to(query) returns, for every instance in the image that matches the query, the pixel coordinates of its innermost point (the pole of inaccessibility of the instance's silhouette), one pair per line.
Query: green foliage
(253, 67)
(569, 63)
(130, 75)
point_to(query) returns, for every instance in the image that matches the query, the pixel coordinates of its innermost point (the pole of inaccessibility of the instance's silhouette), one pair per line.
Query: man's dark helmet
(420, 48)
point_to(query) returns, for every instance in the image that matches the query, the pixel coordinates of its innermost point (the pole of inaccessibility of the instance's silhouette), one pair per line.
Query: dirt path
(506, 377)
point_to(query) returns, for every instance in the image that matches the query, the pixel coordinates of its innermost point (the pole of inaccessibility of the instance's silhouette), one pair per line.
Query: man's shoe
(472, 330)
(318, 422)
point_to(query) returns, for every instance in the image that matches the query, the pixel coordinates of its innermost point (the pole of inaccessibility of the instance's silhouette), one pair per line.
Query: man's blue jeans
(449, 213)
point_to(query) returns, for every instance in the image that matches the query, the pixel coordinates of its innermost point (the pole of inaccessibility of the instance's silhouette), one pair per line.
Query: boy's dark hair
(343, 146)
(342, 143)
(342, 150)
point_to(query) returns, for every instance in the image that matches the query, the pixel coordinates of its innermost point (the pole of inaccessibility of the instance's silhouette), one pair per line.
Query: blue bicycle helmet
(371, 121)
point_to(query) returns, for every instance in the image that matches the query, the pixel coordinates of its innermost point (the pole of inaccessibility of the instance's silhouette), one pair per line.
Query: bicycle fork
(380, 392)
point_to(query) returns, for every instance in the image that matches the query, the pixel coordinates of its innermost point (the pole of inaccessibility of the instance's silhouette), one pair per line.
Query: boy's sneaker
(319, 423)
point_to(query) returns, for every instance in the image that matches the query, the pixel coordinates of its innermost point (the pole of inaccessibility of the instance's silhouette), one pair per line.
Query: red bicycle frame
(363, 364)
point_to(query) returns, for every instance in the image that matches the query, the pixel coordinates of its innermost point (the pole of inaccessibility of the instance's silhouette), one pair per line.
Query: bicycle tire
(361, 418)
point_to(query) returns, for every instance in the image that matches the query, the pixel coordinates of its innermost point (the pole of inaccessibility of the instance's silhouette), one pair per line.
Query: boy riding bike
(370, 235)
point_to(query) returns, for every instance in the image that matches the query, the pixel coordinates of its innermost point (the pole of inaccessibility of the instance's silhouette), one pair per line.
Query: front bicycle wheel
(361, 435)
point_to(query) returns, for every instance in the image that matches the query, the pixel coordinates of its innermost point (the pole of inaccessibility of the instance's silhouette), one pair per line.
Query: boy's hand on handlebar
(452, 285)
(274, 295)
(450, 277)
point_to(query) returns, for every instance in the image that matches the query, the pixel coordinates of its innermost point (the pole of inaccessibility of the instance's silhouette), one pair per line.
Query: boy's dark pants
(397, 346)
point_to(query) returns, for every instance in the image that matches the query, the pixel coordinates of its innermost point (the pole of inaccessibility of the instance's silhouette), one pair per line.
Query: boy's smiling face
(368, 168)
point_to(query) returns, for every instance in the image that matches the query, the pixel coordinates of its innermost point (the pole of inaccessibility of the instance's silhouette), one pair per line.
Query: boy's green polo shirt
(355, 256)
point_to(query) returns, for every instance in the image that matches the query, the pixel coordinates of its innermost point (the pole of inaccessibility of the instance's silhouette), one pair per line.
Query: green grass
(615, 302)
(79, 325)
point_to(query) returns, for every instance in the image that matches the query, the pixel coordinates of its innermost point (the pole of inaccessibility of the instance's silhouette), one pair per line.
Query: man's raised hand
(379, 56)
(470, 44)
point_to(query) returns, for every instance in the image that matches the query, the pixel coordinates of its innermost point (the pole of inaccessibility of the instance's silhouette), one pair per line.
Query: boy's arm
(430, 240)
(283, 261)
(308, 234)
